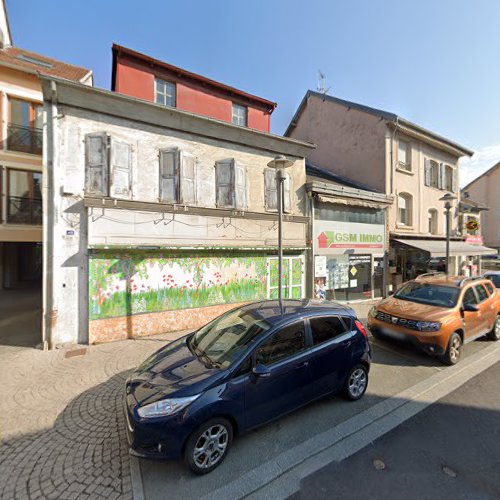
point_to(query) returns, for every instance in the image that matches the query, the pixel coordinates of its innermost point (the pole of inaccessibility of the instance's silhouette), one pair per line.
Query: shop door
(360, 277)
(293, 277)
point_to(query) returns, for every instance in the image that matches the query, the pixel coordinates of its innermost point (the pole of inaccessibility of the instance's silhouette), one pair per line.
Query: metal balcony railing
(21, 210)
(24, 139)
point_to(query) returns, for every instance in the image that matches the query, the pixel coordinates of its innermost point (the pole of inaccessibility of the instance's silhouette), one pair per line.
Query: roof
(32, 62)
(386, 115)
(272, 312)
(488, 172)
(442, 279)
(180, 72)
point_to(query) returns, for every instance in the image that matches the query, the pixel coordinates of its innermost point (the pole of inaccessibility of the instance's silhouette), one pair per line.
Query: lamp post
(280, 163)
(448, 198)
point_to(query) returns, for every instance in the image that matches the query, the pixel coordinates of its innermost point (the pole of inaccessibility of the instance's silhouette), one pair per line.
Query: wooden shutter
(187, 178)
(427, 172)
(287, 200)
(271, 194)
(224, 180)
(121, 169)
(454, 180)
(169, 175)
(442, 176)
(240, 186)
(96, 164)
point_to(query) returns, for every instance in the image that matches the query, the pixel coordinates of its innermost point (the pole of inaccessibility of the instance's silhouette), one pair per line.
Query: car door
(331, 357)
(487, 311)
(472, 321)
(285, 387)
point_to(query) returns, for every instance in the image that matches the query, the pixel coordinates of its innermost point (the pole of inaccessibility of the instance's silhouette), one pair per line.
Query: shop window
(405, 209)
(293, 277)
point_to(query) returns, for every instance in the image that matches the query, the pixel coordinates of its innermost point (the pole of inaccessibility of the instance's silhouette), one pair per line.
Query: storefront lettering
(331, 239)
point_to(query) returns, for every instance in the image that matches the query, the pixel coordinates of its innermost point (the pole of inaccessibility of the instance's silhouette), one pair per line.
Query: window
(404, 155)
(470, 297)
(240, 114)
(449, 175)
(432, 218)
(24, 130)
(424, 293)
(293, 277)
(405, 209)
(285, 343)
(481, 293)
(24, 197)
(164, 93)
(341, 213)
(490, 288)
(495, 278)
(177, 177)
(325, 329)
(230, 178)
(271, 193)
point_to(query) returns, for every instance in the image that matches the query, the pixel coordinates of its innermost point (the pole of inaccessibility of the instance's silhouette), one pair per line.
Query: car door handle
(346, 343)
(304, 364)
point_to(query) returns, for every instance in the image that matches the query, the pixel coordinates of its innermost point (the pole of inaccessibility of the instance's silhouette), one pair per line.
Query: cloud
(482, 160)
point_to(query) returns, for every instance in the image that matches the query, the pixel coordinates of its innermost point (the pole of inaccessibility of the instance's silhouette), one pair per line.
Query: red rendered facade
(134, 75)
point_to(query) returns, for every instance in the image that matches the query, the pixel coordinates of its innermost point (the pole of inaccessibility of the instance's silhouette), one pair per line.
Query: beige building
(486, 190)
(395, 157)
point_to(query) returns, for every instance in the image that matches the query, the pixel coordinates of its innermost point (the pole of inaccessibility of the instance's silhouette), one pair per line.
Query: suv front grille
(395, 320)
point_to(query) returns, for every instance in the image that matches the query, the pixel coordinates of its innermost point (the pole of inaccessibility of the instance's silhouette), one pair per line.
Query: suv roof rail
(425, 275)
(469, 278)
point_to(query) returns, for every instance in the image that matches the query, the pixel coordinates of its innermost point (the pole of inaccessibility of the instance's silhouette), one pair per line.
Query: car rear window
(490, 288)
(427, 293)
(326, 328)
(481, 293)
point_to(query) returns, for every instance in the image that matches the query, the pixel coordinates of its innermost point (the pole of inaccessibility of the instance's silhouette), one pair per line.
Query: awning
(355, 202)
(437, 248)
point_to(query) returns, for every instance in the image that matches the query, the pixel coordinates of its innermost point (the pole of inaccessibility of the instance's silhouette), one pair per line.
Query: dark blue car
(244, 369)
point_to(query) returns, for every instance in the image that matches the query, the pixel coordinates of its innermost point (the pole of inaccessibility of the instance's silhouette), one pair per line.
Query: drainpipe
(49, 312)
(310, 238)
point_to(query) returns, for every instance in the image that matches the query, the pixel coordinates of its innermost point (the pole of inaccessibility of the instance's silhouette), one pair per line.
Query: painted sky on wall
(434, 63)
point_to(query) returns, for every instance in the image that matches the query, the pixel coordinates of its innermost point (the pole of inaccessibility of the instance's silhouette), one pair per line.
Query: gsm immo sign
(330, 234)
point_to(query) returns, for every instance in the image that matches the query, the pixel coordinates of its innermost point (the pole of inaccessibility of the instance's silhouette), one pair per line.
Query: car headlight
(373, 312)
(165, 407)
(428, 326)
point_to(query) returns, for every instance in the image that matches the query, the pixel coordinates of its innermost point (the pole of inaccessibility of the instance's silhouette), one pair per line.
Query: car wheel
(356, 383)
(495, 333)
(452, 354)
(208, 445)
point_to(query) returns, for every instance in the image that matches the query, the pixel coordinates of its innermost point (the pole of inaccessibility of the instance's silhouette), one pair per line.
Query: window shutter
(287, 201)
(96, 164)
(187, 178)
(169, 174)
(121, 169)
(224, 179)
(442, 176)
(454, 183)
(240, 187)
(427, 172)
(271, 195)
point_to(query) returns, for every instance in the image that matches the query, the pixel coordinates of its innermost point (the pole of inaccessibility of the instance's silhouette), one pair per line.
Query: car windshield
(495, 278)
(426, 293)
(222, 341)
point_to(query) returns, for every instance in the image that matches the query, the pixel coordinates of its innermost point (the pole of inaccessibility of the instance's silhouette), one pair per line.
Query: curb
(136, 478)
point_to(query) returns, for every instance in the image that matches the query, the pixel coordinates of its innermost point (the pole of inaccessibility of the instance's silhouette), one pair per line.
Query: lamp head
(280, 162)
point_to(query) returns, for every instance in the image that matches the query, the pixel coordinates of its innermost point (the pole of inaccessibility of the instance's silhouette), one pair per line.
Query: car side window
(245, 367)
(481, 293)
(326, 328)
(283, 344)
(470, 297)
(490, 288)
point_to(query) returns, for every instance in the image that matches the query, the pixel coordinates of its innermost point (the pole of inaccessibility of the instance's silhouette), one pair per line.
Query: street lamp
(280, 163)
(448, 198)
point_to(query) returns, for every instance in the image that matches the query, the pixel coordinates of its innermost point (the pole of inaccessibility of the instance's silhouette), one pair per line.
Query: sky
(435, 63)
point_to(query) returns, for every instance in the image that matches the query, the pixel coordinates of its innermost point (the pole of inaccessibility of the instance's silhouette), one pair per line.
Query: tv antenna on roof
(322, 88)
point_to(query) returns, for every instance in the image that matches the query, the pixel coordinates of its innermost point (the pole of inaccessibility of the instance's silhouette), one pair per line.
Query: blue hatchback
(242, 370)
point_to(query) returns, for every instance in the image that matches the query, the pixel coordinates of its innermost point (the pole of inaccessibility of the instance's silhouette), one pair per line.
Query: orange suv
(439, 314)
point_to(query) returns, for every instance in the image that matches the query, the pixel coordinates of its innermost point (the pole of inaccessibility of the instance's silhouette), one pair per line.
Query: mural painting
(130, 283)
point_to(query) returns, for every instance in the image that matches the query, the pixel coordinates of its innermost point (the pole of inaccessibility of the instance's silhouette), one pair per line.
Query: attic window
(32, 60)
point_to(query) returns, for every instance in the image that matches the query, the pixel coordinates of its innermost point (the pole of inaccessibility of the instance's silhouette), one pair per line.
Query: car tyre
(452, 354)
(207, 447)
(356, 382)
(495, 333)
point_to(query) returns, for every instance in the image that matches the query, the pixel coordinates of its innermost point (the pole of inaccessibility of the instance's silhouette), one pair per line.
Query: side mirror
(261, 371)
(470, 308)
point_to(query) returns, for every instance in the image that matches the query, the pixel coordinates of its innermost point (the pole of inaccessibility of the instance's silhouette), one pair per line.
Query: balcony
(23, 210)
(24, 139)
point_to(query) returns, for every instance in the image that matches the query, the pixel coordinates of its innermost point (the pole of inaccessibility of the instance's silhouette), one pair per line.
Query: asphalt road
(449, 450)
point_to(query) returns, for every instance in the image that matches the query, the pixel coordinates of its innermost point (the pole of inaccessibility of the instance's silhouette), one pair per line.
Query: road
(449, 450)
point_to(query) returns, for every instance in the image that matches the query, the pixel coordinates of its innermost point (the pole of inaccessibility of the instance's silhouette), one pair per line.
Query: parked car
(242, 370)
(494, 276)
(439, 314)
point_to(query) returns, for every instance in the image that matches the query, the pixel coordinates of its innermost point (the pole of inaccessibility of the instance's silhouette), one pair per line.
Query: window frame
(31, 189)
(164, 93)
(405, 166)
(409, 210)
(493, 288)
(432, 219)
(471, 288)
(476, 287)
(240, 107)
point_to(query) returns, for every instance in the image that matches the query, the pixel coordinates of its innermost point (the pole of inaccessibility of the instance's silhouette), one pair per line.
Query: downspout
(49, 312)
(311, 245)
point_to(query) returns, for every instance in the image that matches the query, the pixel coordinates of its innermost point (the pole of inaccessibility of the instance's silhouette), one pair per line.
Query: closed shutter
(96, 164)
(240, 187)
(121, 169)
(188, 178)
(442, 176)
(169, 175)
(271, 194)
(287, 201)
(224, 179)
(454, 182)
(427, 172)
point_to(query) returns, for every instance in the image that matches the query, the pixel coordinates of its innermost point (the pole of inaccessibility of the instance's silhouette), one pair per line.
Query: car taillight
(361, 328)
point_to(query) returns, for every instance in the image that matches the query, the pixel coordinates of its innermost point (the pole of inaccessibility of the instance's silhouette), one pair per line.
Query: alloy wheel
(357, 382)
(455, 349)
(210, 446)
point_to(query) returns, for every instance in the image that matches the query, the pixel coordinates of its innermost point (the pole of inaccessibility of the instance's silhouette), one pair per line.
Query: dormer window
(164, 93)
(240, 114)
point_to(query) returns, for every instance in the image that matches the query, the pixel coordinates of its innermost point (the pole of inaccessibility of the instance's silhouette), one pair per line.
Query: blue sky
(433, 62)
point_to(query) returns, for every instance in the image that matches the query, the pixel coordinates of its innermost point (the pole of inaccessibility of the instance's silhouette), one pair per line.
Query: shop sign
(331, 234)
(474, 240)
